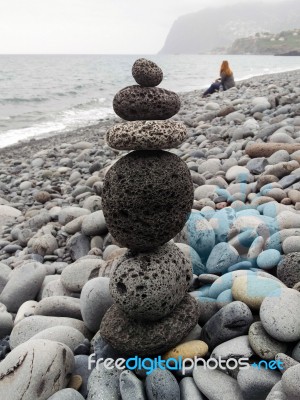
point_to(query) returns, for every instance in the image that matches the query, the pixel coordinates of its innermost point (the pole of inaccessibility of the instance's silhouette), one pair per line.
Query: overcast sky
(92, 26)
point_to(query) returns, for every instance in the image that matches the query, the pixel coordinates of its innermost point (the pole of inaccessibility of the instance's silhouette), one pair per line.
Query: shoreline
(91, 130)
(236, 243)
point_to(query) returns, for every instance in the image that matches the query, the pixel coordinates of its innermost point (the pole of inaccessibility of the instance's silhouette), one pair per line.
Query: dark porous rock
(150, 285)
(231, 321)
(132, 337)
(288, 270)
(146, 135)
(147, 197)
(146, 73)
(136, 103)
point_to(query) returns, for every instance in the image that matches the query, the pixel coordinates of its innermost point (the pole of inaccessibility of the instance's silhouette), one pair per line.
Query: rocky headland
(62, 274)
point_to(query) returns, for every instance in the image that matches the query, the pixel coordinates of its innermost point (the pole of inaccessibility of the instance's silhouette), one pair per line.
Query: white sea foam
(66, 121)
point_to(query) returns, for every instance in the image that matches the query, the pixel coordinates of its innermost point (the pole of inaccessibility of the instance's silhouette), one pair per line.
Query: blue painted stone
(274, 242)
(223, 221)
(221, 258)
(193, 256)
(268, 259)
(247, 237)
(208, 214)
(223, 193)
(200, 234)
(225, 296)
(225, 282)
(270, 209)
(247, 213)
(264, 190)
(202, 292)
(240, 265)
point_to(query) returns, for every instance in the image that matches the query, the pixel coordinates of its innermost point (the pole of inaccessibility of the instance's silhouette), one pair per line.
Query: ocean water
(44, 95)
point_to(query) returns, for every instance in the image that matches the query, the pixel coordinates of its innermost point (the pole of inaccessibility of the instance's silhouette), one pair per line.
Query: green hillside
(268, 43)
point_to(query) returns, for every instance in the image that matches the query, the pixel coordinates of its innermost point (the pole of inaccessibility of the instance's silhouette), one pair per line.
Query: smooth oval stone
(95, 300)
(131, 387)
(189, 390)
(30, 326)
(291, 245)
(263, 344)
(296, 352)
(222, 222)
(225, 282)
(147, 197)
(146, 135)
(225, 297)
(253, 289)
(148, 286)
(200, 234)
(230, 321)
(104, 384)
(237, 348)
(193, 335)
(193, 257)
(161, 384)
(277, 393)
(286, 361)
(276, 240)
(40, 368)
(94, 224)
(279, 314)
(256, 383)
(242, 265)
(288, 270)
(66, 394)
(5, 272)
(6, 322)
(139, 103)
(27, 309)
(202, 292)
(194, 348)
(268, 259)
(59, 306)
(216, 385)
(24, 284)
(149, 338)
(77, 274)
(146, 73)
(67, 335)
(291, 382)
(221, 258)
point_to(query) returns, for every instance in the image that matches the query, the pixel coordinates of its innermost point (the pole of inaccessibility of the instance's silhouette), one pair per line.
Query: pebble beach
(242, 240)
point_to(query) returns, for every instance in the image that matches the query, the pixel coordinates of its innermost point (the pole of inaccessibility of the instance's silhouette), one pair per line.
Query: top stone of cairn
(146, 73)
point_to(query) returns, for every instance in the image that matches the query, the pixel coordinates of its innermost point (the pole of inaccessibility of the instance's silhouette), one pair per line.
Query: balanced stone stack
(147, 197)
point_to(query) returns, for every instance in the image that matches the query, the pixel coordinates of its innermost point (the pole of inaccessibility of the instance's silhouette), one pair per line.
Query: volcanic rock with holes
(147, 108)
(147, 197)
(150, 285)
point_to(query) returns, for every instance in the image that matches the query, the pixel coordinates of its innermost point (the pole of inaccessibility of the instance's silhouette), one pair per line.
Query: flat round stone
(139, 103)
(132, 337)
(146, 135)
(146, 199)
(279, 314)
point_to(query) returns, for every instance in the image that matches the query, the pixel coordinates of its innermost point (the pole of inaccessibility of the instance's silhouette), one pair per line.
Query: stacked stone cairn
(147, 198)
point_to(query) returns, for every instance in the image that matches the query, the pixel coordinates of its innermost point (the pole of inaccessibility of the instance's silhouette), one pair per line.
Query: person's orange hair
(225, 68)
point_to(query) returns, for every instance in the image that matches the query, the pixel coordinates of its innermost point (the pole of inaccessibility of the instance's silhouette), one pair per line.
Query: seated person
(226, 80)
